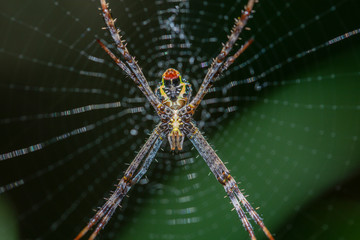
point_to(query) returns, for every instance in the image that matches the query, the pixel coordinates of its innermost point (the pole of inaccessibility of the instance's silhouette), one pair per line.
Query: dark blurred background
(290, 134)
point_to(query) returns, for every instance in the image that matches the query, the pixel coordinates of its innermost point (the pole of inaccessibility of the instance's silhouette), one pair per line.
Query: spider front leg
(131, 68)
(221, 62)
(132, 175)
(222, 174)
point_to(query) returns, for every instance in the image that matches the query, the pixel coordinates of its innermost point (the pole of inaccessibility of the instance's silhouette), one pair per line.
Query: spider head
(173, 91)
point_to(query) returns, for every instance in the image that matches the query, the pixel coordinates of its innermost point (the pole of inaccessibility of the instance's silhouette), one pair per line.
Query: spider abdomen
(176, 136)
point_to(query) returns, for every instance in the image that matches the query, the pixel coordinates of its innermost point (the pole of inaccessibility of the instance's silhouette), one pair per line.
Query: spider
(173, 104)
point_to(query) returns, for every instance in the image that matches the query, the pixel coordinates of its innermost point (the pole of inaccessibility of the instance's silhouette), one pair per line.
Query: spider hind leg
(223, 176)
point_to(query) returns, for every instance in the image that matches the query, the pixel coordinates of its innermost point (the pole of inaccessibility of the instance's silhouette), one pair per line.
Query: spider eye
(167, 83)
(176, 82)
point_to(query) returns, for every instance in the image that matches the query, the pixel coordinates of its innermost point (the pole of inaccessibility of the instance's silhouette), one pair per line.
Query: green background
(293, 145)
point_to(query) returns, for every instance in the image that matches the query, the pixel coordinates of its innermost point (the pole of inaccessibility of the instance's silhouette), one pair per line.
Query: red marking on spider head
(170, 73)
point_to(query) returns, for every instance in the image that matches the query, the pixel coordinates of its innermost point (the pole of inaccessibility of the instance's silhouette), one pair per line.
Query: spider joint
(128, 179)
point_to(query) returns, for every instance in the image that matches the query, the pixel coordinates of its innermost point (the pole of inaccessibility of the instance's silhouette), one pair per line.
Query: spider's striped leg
(220, 59)
(118, 61)
(145, 166)
(137, 75)
(222, 174)
(128, 72)
(132, 175)
(230, 60)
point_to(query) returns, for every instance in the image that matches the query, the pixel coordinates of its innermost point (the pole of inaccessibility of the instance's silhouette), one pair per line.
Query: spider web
(285, 117)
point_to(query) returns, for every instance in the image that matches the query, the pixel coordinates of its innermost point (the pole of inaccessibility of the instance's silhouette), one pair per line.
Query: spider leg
(220, 59)
(118, 61)
(132, 175)
(137, 75)
(230, 60)
(222, 174)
